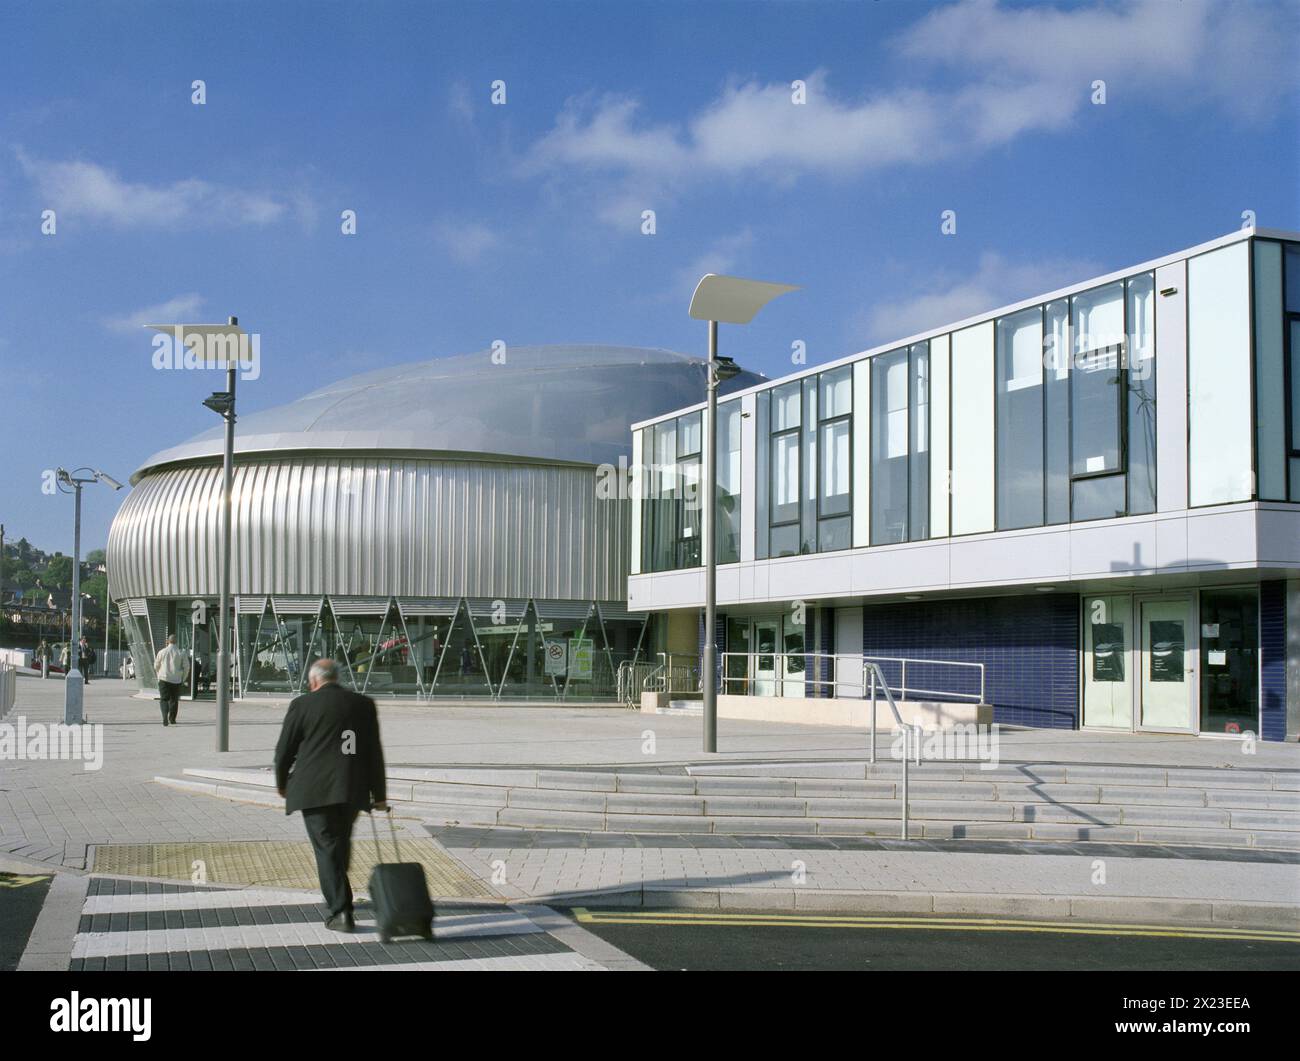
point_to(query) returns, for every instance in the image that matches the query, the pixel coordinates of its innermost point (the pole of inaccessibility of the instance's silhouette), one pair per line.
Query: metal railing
(632, 676)
(8, 688)
(911, 734)
(847, 675)
(675, 672)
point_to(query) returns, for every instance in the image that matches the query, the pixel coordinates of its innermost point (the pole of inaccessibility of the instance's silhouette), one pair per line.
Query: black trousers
(171, 699)
(330, 831)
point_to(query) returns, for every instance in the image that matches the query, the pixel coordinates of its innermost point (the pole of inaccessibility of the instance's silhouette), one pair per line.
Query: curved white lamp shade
(731, 299)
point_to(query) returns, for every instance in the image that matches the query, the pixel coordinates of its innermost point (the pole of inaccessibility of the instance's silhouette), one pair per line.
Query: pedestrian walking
(329, 764)
(170, 666)
(43, 655)
(86, 658)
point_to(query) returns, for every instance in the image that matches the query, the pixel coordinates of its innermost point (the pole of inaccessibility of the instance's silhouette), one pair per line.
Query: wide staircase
(1218, 807)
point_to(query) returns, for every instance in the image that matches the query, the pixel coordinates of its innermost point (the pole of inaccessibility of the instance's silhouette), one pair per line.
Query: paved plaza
(60, 816)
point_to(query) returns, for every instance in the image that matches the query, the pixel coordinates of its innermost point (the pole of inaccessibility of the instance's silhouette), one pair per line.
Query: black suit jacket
(329, 752)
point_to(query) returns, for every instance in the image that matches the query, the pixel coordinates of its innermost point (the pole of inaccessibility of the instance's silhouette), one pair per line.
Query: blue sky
(522, 221)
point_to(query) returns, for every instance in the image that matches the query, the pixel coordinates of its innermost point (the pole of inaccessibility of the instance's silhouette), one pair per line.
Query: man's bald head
(322, 672)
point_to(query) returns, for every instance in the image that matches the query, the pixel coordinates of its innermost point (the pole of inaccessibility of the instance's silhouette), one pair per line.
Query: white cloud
(183, 309)
(87, 190)
(721, 257)
(986, 74)
(466, 241)
(459, 104)
(996, 282)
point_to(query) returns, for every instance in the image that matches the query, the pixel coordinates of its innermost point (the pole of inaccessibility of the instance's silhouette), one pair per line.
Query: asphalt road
(21, 898)
(703, 940)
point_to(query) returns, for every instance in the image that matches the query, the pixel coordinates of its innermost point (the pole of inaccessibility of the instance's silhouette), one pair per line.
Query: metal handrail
(664, 678)
(911, 734)
(780, 676)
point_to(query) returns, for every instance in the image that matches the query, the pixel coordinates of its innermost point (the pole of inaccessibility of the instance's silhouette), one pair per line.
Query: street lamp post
(74, 687)
(229, 338)
(732, 300)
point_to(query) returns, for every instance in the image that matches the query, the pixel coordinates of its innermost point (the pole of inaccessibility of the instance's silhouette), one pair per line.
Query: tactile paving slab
(278, 864)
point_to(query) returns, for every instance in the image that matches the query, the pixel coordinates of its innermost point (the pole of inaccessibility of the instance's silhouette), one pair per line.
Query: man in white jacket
(170, 666)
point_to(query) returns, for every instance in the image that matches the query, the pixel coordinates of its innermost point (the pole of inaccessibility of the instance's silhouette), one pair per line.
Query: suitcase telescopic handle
(379, 855)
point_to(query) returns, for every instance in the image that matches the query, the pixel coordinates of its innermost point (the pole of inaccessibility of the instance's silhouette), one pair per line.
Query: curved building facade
(439, 528)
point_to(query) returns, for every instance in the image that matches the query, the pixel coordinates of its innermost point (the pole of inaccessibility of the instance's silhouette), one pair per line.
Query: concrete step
(1219, 778)
(945, 800)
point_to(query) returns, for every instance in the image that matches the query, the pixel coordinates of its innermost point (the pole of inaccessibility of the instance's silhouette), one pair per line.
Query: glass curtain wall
(900, 445)
(727, 518)
(1021, 439)
(1096, 403)
(670, 507)
(834, 449)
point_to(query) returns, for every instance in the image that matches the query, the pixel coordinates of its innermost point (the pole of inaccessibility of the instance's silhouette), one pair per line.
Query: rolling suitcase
(400, 893)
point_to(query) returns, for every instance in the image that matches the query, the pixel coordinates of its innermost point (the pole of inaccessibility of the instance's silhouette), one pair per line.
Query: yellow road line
(795, 920)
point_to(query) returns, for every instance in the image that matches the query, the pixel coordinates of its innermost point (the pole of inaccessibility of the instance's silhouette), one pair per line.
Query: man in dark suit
(329, 764)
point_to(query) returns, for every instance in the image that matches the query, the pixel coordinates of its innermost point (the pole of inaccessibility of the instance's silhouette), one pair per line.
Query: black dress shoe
(341, 923)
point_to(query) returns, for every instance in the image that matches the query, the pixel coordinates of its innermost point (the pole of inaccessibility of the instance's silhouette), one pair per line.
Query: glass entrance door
(1107, 662)
(1229, 661)
(1168, 664)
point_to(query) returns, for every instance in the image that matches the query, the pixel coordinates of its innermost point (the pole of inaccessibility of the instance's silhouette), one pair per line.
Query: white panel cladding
(1244, 538)
(1171, 388)
(848, 642)
(748, 476)
(637, 481)
(861, 453)
(940, 400)
(1219, 384)
(972, 429)
(375, 527)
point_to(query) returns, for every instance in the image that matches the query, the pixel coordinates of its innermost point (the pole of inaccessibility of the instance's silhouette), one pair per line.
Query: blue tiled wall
(1272, 660)
(1028, 645)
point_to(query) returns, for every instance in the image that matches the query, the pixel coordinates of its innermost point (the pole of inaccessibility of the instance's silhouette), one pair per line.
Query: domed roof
(552, 403)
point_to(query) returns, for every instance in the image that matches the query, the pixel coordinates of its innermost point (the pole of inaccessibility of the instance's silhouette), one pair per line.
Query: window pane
(1100, 498)
(785, 407)
(728, 494)
(1141, 351)
(1020, 419)
(688, 434)
(837, 392)
(1293, 278)
(1056, 411)
(1270, 388)
(665, 457)
(1218, 369)
(919, 444)
(835, 534)
(688, 547)
(835, 498)
(785, 478)
(785, 540)
(1295, 385)
(762, 473)
(1099, 318)
(889, 448)
(808, 508)
(1094, 386)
